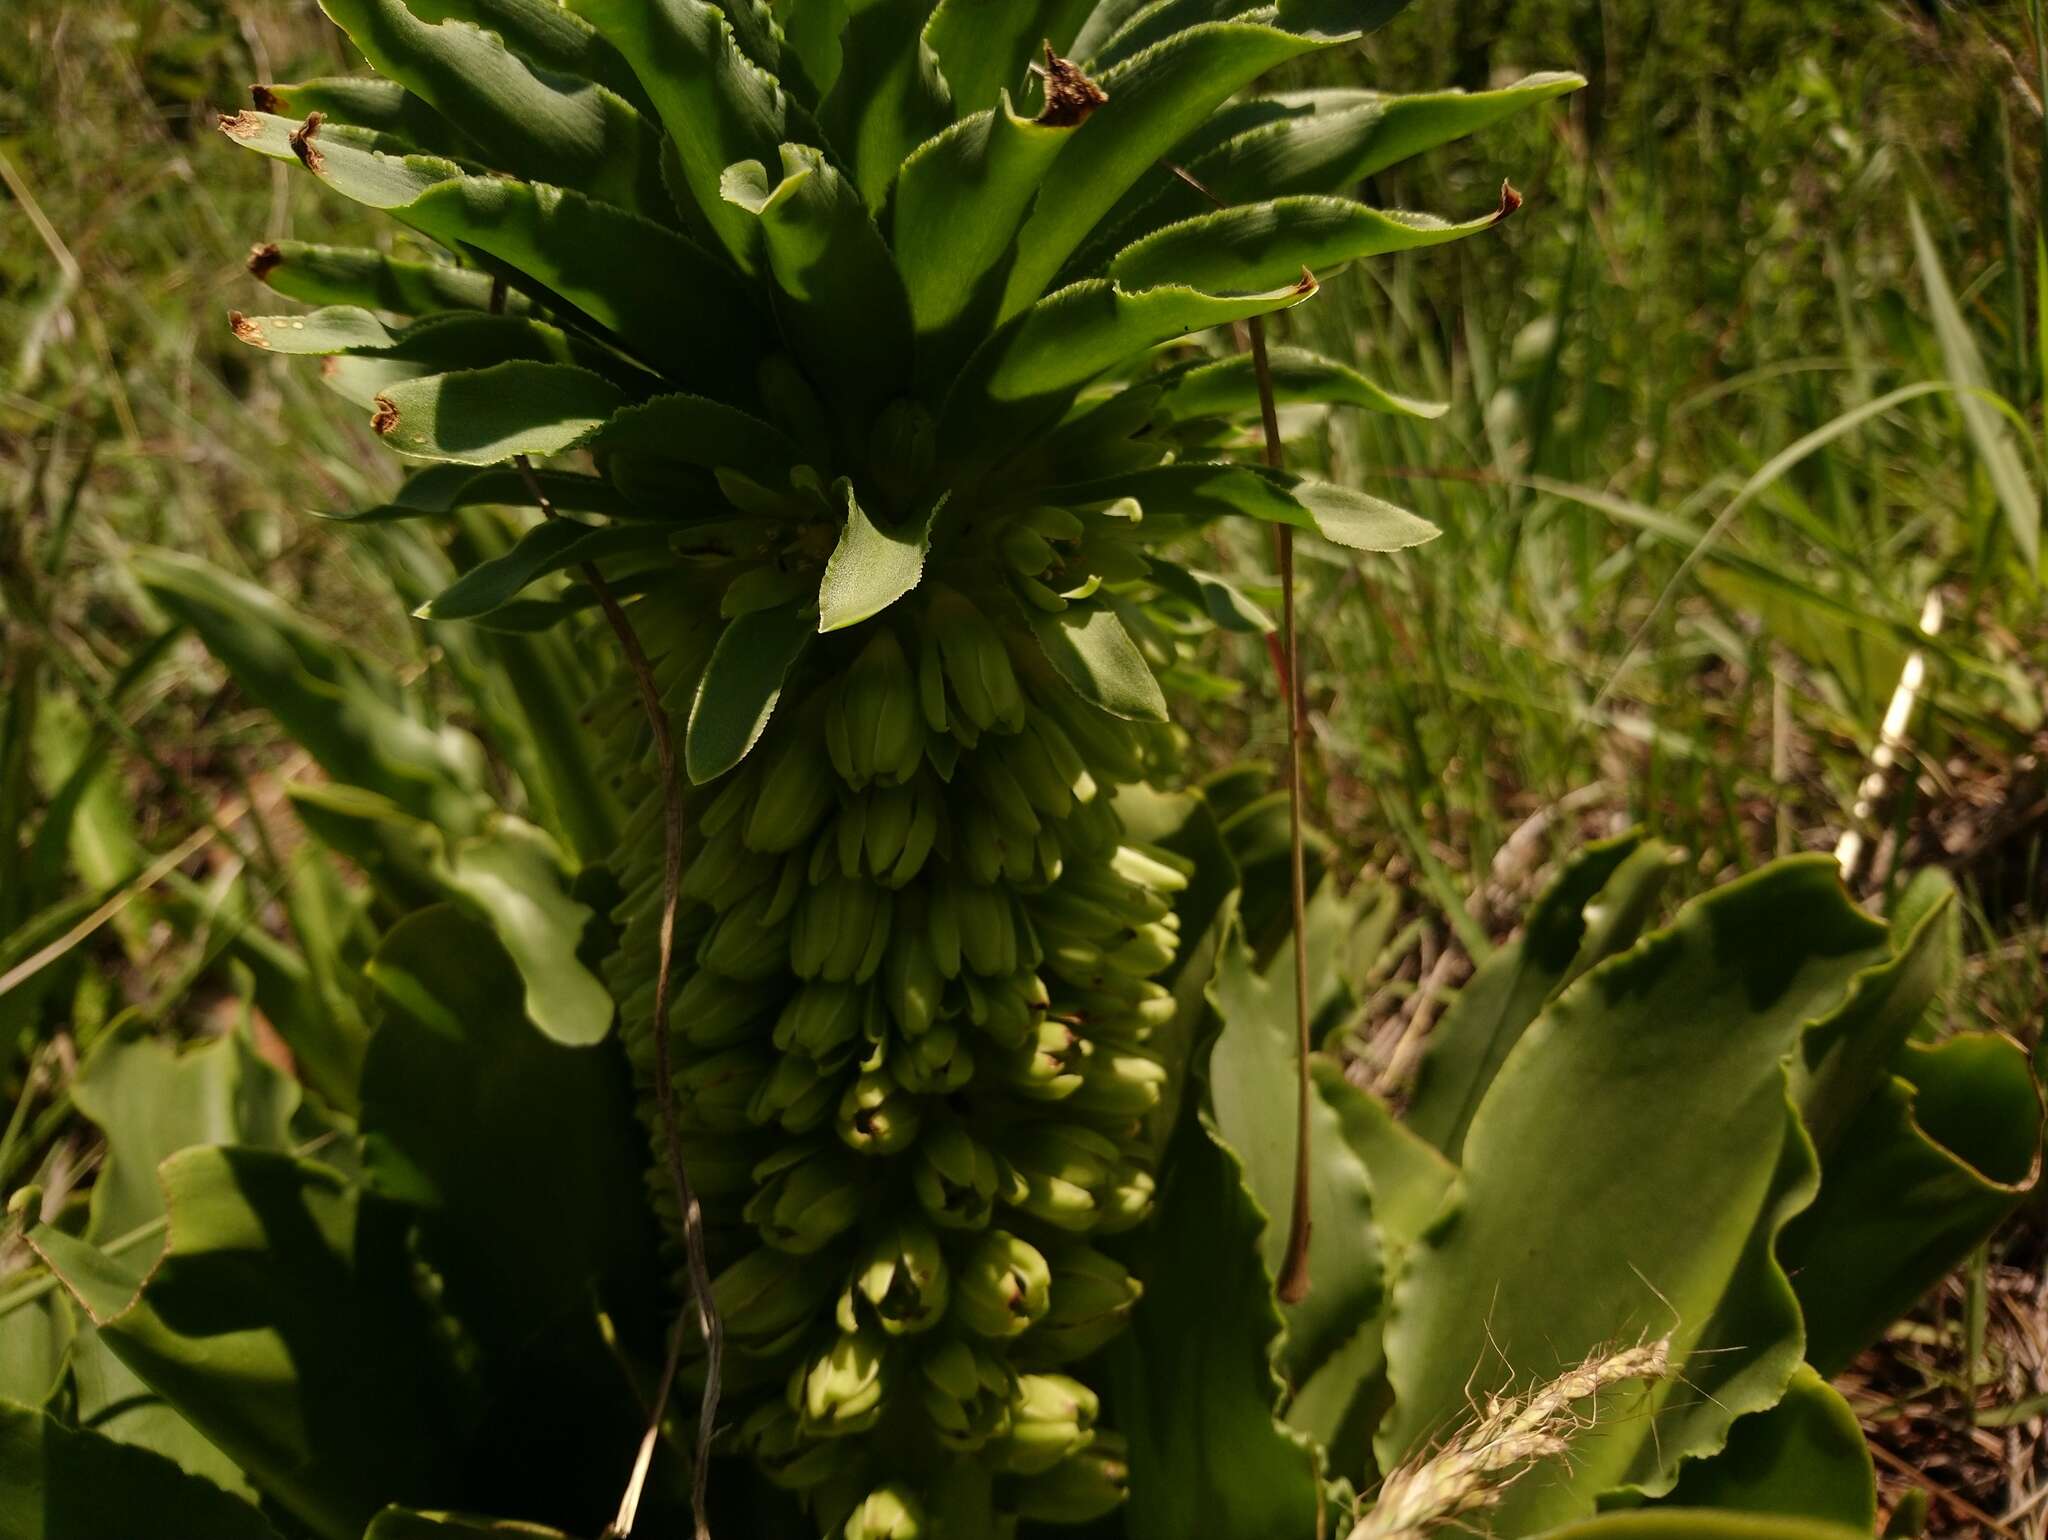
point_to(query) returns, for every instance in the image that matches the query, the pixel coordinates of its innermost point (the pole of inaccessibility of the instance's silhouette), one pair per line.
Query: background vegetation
(1686, 550)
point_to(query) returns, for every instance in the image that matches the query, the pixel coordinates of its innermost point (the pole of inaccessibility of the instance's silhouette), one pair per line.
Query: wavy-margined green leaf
(548, 127)
(983, 49)
(838, 293)
(331, 329)
(354, 275)
(1804, 1458)
(1260, 245)
(544, 32)
(484, 416)
(1251, 1080)
(362, 101)
(1647, 1222)
(1229, 387)
(718, 106)
(692, 430)
(1023, 377)
(1693, 1524)
(551, 546)
(1325, 20)
(1194, 1386)
(312, 1363)
(1155, 98)
(1594, 908)
(455, 341)
(1090, 649)
(468, 1112)
(959, 203)
(1933, 1161)
(741, 685)
(1201, 490)
(62, 1483)
(411, 1524)
(662, 298)
(871, 568)
(890, 96)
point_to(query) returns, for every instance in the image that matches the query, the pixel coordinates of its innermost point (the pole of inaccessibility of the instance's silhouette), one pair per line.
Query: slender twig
(1292, 1284)
(709, 1326)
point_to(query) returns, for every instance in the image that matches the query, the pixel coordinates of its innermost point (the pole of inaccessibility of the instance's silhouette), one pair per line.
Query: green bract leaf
(1198, 490)
(717, 104)
(841, 302)
(1261, 245)
(483, 416)
(548, 547)
(661, 297)
(548, 127)
(870, 568)
(1230, 388)
(741, 685)
(58, 1483)
(694, 431)
(1091, 650)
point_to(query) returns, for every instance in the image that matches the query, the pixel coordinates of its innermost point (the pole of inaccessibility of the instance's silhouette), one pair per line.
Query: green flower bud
(877, 1116)
(766, 1293)
(1051, 1418)
(1119, 1082)
(797, 791)
(1127, 1199)
(822, 1022)
(840, 1391)
(787, 1456)
(874, 725)
(934, 1064)
(1081, 1488)
(901, 1281)
(712, 1011)
(1092, 1298)
(956, 1178)
(967, 1393)
(795, 1095)
(743, 944)
(1010, 1010)
(809, 1195)
(1061, 1167)
(1004, 1287)
(713, 1093)
(891, 1512)
(911, 982)
(1047, 1067)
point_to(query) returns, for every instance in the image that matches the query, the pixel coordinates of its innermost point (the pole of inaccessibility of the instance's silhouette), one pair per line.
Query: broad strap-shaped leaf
(1804, 1458)
(311, 1363)
(547, 127)
(660, 297)
(331, 329)
(366, 101)
(484, 416)
(1194, 1386)
(1693, 1524)
(959, 203)
(411, 1524)
(455, 342)
(1259, 245)
(871, 568)
(544, 32)
(693, 430)
(60, 1483)
(1941, 1153)
(1200, 491)
(838, 293)
(1022, 379)
(1251, 1079)
(890, 97)
(1326, 20)
(551, 546)
(1229, 387)
(448, 487)
(1155, 99)
(718, 105)
(1646, 1221)
(983, 50)
(1594, 908)
(1090, 649)
(353, 275)
(741, 685)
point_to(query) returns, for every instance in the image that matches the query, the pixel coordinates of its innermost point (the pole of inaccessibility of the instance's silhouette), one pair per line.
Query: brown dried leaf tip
(302, 144)
(265, 99)
(1510, 200)
(1070, 96)
(385, 419)
(247, 330)
(263, 256)
(239, 125)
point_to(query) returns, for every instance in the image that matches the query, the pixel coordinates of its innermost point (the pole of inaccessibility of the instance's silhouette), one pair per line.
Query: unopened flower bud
(967, 1393)
(934, 1064)
(1004, 1286)
(1081, 1488)
(787, 1456)
(1047, 1066)
(900, 1280)
(891, 1512)
(840, 1391)
(1051, 1418)
(1060, 1168)
(714, 1093)
(877, 1116)
(795, 1096)
(766, 1294)
(1119, 1082)
(1092, 1297)
(809, 1195)
(956, 1178)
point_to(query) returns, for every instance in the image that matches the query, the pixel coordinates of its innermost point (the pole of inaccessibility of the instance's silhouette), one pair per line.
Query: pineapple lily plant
(868, 986)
